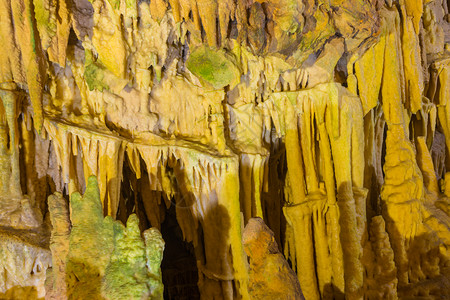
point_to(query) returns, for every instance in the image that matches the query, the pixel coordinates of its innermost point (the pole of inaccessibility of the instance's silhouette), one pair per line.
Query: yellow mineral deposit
(321, 127)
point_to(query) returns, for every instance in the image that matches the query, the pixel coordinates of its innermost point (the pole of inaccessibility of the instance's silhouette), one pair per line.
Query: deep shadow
(212, 251)
(425, 273)
(274, 199)
(179, 267)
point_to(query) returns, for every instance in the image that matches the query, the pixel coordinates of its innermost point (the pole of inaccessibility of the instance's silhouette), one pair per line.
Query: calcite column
(59, 245)
(251, 168)
(402, 192)
(299, 216)
(327, 229)
(346, 145)
(206, 193)
(16, 210)
(217, 206)
(9, 161)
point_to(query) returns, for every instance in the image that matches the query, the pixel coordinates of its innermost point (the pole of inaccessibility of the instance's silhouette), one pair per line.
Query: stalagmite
(267, 264)
(59, 245)
(198, 123)
(107, 244)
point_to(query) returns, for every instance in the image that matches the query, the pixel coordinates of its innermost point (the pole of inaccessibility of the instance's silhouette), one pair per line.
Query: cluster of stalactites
(195, 96)
(203, 189)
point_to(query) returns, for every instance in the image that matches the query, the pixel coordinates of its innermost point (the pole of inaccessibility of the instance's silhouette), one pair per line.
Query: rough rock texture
(328, 119)
(270, 276)
(98, 258)
(25, 259)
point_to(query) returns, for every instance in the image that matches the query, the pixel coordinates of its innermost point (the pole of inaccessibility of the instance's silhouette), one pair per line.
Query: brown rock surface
(270, 276)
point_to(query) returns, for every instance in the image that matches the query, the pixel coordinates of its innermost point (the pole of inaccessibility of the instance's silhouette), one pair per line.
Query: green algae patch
(214, 67)
(94, 76)
(91, 243)
(107, 260)
(45, 21)
(126, 274)
(94, 73)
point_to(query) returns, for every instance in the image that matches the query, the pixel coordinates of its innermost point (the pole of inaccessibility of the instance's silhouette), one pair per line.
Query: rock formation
(270, 276)
(327, 119)
(95, 257)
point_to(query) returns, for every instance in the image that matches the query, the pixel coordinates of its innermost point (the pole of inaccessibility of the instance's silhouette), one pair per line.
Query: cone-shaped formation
(97, 257)
(270, 276)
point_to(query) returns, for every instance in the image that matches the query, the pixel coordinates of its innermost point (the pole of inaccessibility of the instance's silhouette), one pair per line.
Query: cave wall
(328, 119)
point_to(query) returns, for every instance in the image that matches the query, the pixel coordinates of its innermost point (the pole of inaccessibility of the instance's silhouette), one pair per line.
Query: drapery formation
(328, 119)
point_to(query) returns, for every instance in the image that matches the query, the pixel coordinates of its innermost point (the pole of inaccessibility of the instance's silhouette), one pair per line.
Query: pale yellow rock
(24, 261)
(107, 38)
(59, 245)
(426, 166)
(414, 9)
(369, 71)
(58, 46)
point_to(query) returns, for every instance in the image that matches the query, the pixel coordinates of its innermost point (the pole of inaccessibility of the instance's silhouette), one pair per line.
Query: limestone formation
(95, 257)
(270, 276)
(329, 120)
(25, 258)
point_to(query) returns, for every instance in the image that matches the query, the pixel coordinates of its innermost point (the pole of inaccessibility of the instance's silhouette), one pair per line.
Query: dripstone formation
(322, 127)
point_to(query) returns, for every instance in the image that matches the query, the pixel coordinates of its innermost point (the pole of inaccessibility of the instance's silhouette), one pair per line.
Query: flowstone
(328, 119)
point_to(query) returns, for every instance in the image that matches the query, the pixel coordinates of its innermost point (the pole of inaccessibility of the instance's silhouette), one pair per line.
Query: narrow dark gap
(179, 267)
(273, 199)
(130, 199)
(202, 32)
(22, 156)
(218, 40)
(232, 29)
(383, 150)
(416, 127)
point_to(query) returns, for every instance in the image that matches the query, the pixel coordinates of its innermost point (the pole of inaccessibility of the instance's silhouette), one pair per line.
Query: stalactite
(28, 40)
(62, 21)
(102, 157)
(252, 169)
(347, 204)
(412, 56)
(327, 119)
(10, 145)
